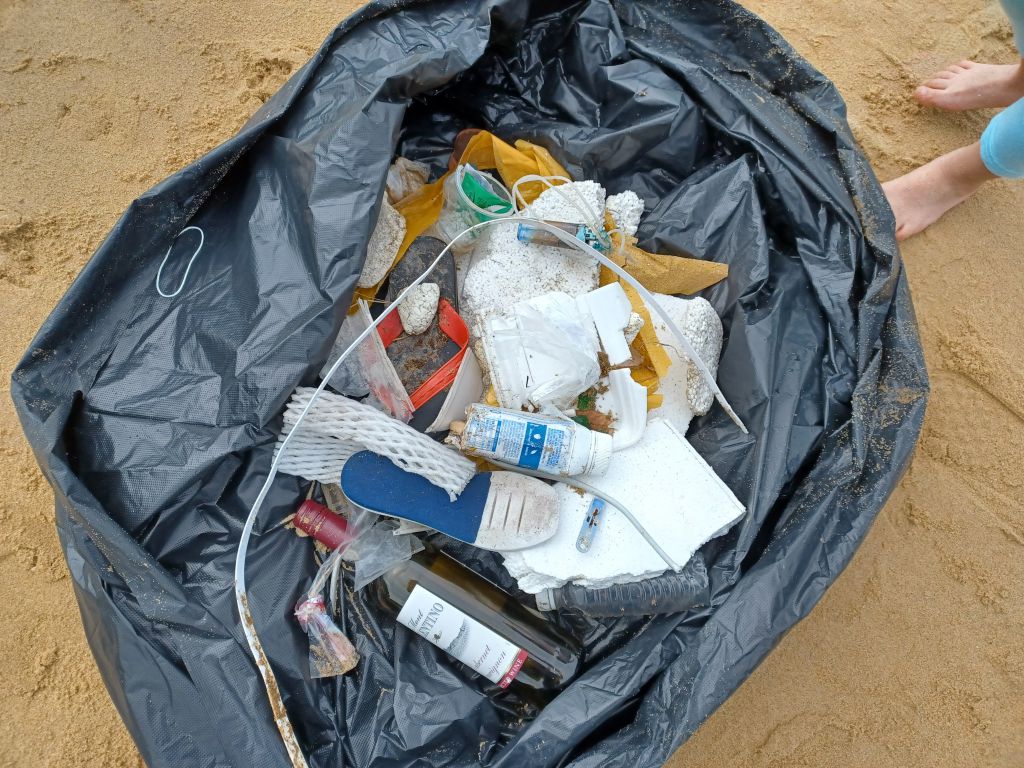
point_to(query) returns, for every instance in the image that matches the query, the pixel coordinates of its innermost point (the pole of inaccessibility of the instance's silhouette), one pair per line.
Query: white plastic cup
(458, 212)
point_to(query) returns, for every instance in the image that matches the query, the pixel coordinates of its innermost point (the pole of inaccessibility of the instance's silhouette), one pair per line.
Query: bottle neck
(322, 524)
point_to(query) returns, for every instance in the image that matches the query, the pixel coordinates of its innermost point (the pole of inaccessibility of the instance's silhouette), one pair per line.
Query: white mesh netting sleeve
(337, 427)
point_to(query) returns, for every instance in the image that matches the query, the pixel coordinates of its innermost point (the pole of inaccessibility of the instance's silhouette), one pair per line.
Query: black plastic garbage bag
(155, 418)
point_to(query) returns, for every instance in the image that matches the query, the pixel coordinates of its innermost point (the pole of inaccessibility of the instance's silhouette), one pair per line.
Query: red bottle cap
(322, 524)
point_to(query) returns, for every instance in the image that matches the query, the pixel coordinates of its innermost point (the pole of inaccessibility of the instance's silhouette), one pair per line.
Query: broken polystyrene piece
(668, 487)
(702, 327)
(496, 511)
(633, 327)
(675, 407)
(625, 208)
(610, 309)
(382, 250)
(626, 401)
(418, 308)
(505, 271)
(543, 352)
(467, 389)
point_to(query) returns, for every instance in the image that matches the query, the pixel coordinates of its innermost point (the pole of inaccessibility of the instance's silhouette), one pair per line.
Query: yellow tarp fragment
(658, 274)
(655, 357)
(663, 274)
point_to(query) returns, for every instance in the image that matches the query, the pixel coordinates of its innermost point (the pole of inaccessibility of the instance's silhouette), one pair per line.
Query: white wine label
(462, 636)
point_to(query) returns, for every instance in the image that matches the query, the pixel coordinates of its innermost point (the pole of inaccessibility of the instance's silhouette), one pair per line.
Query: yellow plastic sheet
(663, 274)
(666, 274)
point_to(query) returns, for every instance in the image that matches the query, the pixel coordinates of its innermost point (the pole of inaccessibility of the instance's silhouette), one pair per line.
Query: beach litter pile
(523, 384)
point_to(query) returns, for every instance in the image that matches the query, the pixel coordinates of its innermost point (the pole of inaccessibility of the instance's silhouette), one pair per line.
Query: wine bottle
(463, 613)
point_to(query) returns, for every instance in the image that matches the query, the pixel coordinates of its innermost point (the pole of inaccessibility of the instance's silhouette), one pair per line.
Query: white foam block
(502, 271)
(666, 485)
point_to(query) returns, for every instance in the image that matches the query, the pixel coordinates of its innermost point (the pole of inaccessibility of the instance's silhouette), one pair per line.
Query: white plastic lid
(546, 600)
(600, 454)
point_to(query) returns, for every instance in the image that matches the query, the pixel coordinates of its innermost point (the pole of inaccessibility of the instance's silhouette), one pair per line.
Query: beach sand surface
(914, 658)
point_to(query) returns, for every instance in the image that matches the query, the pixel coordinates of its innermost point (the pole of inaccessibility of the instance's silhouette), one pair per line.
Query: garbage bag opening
(741, 154)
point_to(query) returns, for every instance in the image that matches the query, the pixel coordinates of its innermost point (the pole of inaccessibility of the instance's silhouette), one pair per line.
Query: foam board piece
(674, 387)
(666, 484)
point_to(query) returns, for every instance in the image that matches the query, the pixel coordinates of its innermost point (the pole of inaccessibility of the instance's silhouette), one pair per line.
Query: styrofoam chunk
(668, 487)
(418, 308)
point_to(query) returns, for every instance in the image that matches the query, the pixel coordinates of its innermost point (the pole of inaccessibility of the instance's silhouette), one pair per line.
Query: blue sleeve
(1002, 143)
(1015, 10)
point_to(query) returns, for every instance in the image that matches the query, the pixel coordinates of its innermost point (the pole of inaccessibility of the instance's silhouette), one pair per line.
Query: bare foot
(969, 85)
(920, 197)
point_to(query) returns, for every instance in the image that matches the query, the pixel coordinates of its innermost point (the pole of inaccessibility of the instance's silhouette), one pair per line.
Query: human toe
(926, 95)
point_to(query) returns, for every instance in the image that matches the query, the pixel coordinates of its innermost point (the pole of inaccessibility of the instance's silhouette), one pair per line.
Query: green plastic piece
(481, 196)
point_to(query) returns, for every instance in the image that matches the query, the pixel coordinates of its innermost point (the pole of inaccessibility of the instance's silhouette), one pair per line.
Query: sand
(913, 658)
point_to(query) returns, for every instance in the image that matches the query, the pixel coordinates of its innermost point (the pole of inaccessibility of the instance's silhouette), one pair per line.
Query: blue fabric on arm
(1002, 143)
(1015, 10)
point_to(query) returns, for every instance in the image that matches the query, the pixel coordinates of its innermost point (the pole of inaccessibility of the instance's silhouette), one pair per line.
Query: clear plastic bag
(542, 353)
(365, 539)
(405, 177)
(330, 652)
(368, 370)
(377, 547)
(349, 379)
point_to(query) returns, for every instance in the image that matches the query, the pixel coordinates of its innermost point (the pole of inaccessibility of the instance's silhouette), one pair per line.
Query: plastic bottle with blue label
(532, 441)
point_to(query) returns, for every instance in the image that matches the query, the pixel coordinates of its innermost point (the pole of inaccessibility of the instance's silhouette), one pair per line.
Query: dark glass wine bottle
(463, 613)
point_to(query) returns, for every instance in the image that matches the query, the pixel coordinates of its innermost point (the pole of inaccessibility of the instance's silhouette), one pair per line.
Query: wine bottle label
(462, 636)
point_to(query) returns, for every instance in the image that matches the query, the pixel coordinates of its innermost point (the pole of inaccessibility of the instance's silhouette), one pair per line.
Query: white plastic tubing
(284, 726)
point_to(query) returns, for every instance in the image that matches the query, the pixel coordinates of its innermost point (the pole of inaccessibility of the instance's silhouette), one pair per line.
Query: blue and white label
(543, 446)
(533, 446)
